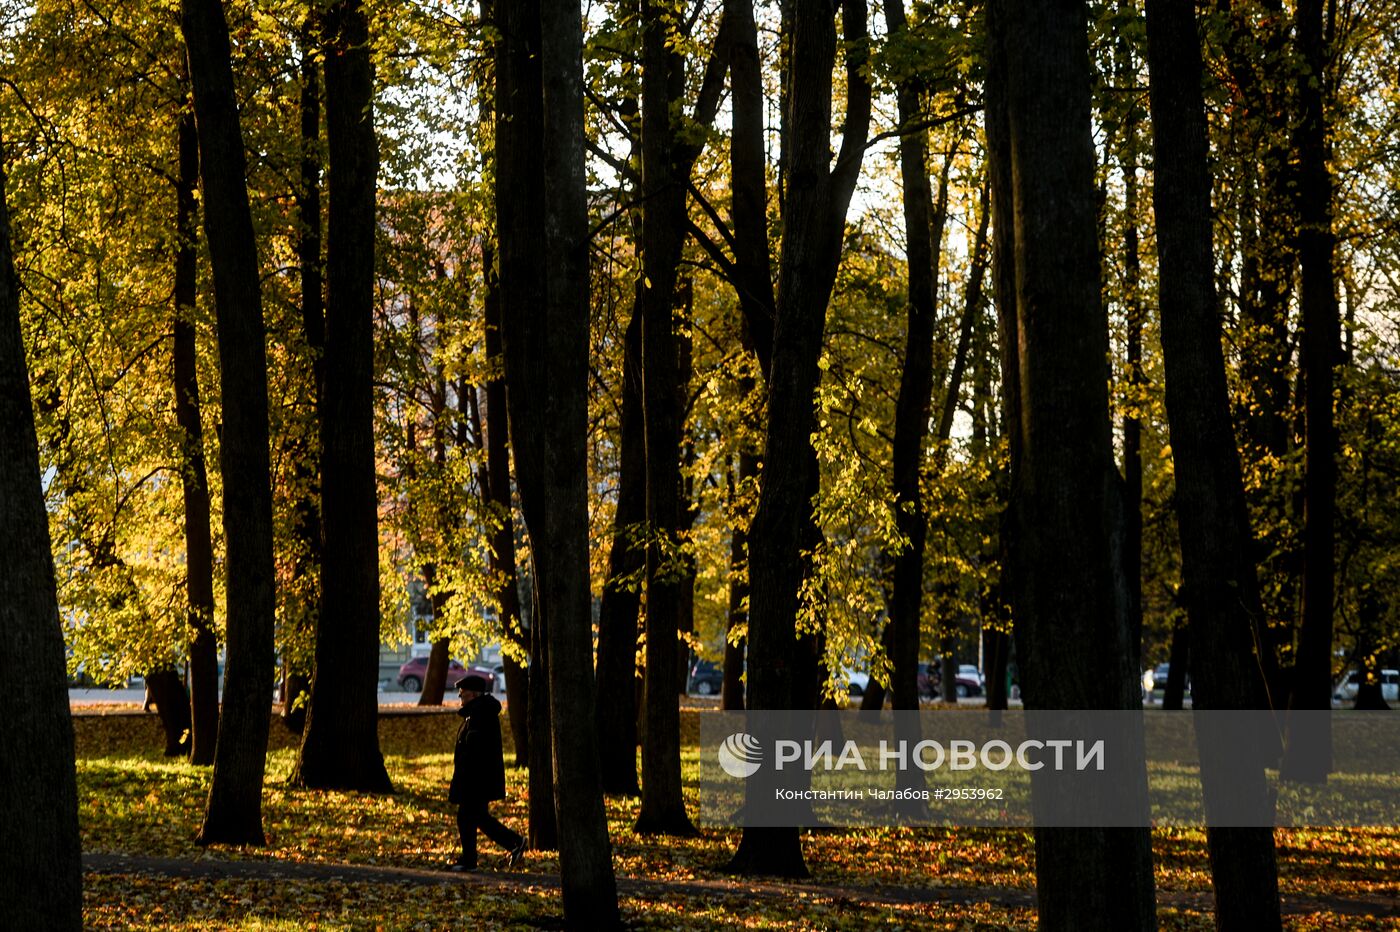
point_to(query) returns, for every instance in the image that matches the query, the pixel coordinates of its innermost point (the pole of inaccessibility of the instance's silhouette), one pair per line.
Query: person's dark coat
(478, 762)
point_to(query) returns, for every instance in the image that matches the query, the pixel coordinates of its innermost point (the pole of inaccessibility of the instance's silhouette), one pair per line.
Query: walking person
(479, 774)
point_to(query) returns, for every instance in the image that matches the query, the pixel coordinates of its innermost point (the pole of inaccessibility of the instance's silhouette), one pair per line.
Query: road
(137, 696)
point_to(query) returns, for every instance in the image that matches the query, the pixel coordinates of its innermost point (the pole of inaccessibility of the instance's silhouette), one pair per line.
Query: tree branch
(713, 214)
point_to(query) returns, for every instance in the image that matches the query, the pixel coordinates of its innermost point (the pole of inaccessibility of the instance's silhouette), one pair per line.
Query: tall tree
(666, 166)
(1309, 754)
(618, 609)
(519, 198)
(1263, 113)
(298, 643)
(817, 196)
(914, 403)
(1179, 660)
(1134, 381)
(748, 171)
(234, 813)
(503, 539)
(987, 430)
(943, 431)
(620, 606)
(1067, 611)
(752, 278)
(497, 484)
(40, 851)
(1222, 592)
(435, 685)
(922, 370)
(340, 747)
(744, 473)
(547, 381)
(194, 480)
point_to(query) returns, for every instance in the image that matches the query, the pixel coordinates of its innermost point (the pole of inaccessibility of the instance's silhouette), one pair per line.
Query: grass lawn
(133, 801)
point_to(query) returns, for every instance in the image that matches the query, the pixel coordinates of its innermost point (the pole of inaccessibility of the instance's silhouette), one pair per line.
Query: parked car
(412, 674)
(706, 678)
(929, 678)
(968, 681)
(1351, 683)
(966, 686)
(856, 681)
(488, 674)
(1155, 680)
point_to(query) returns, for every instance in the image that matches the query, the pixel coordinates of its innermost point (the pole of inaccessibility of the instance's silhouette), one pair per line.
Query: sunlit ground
(134, 801)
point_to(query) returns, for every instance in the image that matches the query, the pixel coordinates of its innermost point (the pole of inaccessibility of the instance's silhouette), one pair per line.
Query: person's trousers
(475, 815)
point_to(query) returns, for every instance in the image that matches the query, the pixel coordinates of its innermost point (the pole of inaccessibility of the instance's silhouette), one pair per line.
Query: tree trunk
(546, 356)
(948, 669)
(1067, 609)
(165, 689)
(1134, 382)
(688, 508)
(41, 855)
(685, 626)
(731, 697)
(517, 677)
(1261, 118)
(1179, 667)
(543, 819)
(340, 747)
(748, 169)
(922, 233)
(435, 684)
(309, 262)
(194, 480)
(999, 176)
(298, 643)
(618, 612)
(951, 394)
(519, 199)
(1222, 595)
(1370, 614)
(560, 394)
(234, 813)
(996, 649)
(663, 213)
(753, 284)
(1309, 754)
(996, 643)
(999, 173)
(972, 302)
(588, 887)
(814, 222)
(503, 538)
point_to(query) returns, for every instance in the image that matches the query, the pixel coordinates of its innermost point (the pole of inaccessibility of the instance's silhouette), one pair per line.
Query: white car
(856, 681)
(970, 670)
(1390, 686)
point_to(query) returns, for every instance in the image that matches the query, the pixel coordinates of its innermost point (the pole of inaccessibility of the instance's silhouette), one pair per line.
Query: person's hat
(473, 683)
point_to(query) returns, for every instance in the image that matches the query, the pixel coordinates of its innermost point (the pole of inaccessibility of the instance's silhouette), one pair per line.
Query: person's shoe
(516, 855)
(457, 867)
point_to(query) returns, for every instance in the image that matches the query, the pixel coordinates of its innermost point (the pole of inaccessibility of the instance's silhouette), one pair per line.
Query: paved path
(1379, 905)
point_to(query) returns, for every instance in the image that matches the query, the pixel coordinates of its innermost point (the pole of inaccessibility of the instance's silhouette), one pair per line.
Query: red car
(412, 674)
(931, 678)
